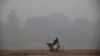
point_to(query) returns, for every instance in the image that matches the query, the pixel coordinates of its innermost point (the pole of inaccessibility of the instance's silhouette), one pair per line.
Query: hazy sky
(73, 9)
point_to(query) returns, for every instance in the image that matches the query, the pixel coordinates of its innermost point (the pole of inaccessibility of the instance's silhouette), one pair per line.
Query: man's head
(56, 38)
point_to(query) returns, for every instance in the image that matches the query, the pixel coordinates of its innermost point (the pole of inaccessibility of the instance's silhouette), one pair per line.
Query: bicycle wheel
(61, 51)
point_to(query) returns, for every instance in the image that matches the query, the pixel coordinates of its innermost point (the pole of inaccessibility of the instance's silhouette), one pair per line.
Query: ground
(46, 53)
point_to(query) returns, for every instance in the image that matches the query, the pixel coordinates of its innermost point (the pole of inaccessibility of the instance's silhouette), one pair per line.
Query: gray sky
(73, 9)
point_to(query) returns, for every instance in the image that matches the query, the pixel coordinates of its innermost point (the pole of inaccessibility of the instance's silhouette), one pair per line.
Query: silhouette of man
(56, 41)
(56, 44)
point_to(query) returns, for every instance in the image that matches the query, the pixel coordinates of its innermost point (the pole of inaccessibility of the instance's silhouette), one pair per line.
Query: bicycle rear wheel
(61, 51)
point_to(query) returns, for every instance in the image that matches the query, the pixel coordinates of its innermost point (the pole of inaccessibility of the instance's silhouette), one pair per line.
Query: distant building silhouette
(11, 29)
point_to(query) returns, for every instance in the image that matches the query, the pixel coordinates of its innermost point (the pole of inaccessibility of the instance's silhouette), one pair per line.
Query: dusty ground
(46, 53)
